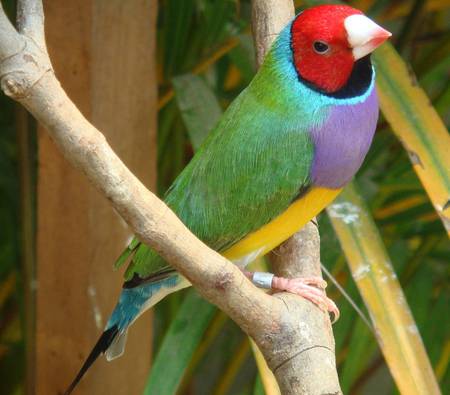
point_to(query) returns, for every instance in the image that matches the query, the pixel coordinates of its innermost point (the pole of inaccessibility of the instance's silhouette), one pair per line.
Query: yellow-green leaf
(397, 333)
(417, 124)
(267, 378)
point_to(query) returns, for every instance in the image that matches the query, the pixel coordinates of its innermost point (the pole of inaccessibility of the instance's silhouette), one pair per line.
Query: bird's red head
(328, 39)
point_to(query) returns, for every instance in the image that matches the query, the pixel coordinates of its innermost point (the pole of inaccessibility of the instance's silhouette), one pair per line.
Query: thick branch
(269, 17)
(30, 20)
(310, 351)
(308, 363)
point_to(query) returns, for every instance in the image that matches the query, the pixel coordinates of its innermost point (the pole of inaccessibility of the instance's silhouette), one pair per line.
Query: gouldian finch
(281, 152)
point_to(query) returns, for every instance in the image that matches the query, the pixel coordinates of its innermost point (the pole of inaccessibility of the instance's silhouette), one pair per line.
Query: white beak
(364, 35)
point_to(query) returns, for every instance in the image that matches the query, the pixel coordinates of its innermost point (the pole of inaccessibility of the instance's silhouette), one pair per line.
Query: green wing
(248, 171)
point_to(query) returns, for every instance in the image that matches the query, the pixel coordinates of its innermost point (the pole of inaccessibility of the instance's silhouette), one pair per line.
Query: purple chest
(342, 142)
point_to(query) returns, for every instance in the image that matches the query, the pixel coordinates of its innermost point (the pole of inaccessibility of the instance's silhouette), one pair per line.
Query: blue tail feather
(132, 303)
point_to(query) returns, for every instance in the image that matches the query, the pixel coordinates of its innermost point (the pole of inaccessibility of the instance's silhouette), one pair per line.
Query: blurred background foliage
(205, 58)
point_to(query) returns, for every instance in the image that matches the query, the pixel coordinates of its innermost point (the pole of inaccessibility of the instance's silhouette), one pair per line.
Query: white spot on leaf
(412, 329)
(361, 272)
(346, 212)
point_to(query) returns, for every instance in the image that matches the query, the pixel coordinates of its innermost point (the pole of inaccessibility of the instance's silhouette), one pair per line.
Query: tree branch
(26, 76)
(268, 18)
(312, 361)
(10, 41)
(311, 356)
(30, 20)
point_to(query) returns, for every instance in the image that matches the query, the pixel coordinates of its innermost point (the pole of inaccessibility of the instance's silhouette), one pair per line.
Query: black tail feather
(100, 347)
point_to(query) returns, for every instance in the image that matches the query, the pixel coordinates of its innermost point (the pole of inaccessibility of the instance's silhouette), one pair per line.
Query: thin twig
(30, 20)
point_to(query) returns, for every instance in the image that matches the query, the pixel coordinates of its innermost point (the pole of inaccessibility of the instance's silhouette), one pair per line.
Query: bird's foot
(310, 288)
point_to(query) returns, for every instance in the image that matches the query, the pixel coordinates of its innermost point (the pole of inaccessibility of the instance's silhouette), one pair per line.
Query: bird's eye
(320, 47)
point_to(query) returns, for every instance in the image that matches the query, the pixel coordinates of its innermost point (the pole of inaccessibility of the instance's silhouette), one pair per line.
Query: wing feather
(248, 171)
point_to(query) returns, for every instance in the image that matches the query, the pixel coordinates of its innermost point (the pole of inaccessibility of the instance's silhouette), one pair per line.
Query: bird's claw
(310, 288)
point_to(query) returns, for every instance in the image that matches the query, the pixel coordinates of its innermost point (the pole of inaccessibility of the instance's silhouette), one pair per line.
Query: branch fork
(17, 82)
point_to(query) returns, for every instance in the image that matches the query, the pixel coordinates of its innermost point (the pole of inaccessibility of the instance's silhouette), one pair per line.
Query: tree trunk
(103, 53)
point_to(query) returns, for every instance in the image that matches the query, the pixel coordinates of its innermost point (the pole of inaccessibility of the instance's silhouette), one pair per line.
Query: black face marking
(359, 80)
(357, 84)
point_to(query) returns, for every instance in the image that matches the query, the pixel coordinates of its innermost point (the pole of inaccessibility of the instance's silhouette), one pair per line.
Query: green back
(248, 171)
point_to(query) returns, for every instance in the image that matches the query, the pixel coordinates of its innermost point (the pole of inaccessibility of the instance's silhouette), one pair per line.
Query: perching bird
(281, 152)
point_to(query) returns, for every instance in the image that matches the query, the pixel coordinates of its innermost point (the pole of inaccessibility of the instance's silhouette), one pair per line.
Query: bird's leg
(310, 288)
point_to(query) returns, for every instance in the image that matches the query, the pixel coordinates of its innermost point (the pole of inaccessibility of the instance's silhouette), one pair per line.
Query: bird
(280, 153)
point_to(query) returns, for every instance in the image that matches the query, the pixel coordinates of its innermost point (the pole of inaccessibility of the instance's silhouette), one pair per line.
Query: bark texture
(310, 348)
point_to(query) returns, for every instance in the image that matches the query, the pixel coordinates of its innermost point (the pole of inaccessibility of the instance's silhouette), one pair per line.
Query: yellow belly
(284, 226)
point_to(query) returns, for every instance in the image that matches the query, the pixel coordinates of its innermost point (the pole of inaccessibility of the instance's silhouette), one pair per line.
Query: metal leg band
(263, 279)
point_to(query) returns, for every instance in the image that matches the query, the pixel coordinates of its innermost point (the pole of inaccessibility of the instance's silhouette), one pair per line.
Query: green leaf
(174, 35)
(258, 389)
(243, 57)
(417, 124)
(198, 105)
(179, 344)
(361, 349)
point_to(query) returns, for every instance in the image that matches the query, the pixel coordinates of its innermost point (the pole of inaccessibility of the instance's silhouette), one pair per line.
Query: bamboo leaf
(198, 105)
(214, 329)
(418, 126)
(179, 344)
(397, 333)
(202, 66)
(243, 57)
(233, 368)
(258, 388)
(174, 34)
(361, 350)
(267, 378)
